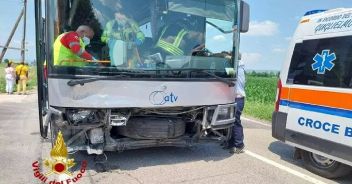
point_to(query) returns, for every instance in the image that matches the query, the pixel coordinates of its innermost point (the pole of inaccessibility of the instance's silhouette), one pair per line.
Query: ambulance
(313, 109)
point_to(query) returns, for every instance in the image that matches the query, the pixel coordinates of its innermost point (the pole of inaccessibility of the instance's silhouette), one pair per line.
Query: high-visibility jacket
(171, 48)
(22, 70)
(129, 32)
(63, 56)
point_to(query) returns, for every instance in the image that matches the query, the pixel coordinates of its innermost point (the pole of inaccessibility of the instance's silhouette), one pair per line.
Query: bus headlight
(225, 112)
(223, 115)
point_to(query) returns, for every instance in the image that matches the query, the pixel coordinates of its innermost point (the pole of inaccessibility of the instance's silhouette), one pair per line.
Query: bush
(260, 95)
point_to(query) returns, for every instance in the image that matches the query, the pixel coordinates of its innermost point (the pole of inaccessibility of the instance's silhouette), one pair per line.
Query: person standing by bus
(10, 77)
(235, 144)
(21, 78)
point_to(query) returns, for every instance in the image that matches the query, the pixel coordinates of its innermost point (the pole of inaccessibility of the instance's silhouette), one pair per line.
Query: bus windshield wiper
(226, 81)
(81, 82)
(190, 70)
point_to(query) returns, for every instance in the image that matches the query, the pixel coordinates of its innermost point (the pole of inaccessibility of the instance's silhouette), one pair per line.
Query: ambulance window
(322, 62)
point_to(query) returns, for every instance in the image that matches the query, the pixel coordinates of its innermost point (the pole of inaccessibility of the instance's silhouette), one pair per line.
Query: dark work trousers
(236, 139)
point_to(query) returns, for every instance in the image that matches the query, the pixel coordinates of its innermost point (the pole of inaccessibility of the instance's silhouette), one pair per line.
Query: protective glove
(117, 36)
(138, 42)
(94, 60)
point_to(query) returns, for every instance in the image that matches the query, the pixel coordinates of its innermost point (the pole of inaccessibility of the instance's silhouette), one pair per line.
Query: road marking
(284, 168)
(254, 121)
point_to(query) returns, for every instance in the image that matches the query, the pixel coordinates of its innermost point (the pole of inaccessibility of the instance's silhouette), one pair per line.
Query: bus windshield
(98, 37)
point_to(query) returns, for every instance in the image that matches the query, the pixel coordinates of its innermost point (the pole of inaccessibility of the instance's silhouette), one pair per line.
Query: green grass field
(32, 83)
(260, 96)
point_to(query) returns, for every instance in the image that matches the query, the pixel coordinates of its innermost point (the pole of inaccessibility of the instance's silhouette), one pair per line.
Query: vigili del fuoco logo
(58, 164)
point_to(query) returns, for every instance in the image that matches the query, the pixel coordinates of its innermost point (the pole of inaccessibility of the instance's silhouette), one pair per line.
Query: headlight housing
(80, 116)
(225, 112)
(222, 115)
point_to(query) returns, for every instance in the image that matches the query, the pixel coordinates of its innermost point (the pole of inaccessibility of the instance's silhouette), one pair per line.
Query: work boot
(234, 150)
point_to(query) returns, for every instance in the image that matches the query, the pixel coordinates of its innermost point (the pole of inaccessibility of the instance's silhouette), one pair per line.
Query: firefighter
(127, 30)
(122, 28)
(22, 77)
(69, 47)
(179, 39)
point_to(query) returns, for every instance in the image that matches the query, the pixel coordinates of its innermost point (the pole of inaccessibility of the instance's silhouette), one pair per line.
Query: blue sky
(9, 11)
(273, 23)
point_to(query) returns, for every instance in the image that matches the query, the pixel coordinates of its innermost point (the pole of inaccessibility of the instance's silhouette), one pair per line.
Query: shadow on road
(286, 153)
(134, 159)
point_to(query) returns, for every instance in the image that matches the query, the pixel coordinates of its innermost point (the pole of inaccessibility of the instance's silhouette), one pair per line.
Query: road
(264, 161)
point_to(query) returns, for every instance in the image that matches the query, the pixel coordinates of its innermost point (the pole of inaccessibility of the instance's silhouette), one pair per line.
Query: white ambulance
(314, 100)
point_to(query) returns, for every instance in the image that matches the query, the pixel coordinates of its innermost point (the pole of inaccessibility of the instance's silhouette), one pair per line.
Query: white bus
(314, 100)
(173, 90)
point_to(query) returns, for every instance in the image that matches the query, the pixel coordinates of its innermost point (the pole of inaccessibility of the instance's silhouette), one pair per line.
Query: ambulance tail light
(278, 95)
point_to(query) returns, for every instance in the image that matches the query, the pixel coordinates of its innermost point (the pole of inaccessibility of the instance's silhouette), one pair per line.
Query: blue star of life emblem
(323, 61)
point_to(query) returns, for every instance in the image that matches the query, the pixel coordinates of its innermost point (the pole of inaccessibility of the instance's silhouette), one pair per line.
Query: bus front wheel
(323, 166)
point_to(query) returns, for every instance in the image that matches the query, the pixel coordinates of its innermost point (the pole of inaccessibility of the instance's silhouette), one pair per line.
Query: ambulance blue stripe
(316, 108)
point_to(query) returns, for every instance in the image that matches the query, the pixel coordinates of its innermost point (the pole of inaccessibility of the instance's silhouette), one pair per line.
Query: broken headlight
(76, 117)
(225, 112)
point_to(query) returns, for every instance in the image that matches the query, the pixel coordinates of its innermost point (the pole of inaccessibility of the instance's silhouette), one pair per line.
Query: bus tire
(323, 166)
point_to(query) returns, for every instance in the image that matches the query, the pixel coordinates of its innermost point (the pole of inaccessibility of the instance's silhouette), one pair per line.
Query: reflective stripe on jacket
(112, 30)
(172, 48)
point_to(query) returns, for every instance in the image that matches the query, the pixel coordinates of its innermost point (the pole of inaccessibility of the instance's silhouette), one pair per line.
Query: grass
(32, 83)
(260, 96)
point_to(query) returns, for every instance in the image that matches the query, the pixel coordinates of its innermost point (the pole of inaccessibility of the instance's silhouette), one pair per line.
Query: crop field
(32, 83)
(260, 95)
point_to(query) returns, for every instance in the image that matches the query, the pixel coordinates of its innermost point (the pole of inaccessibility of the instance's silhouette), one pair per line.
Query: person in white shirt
(235, 144)
(10, 78)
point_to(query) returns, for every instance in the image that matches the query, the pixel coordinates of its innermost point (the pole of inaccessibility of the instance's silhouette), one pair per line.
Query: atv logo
(160, 97)
(59, 164)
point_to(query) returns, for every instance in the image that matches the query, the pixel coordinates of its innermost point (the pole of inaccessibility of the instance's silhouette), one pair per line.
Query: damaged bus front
(162, 72)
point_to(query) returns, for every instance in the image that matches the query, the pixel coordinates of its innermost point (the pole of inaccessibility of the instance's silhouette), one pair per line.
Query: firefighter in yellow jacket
(21, 78)
(122, 28)
(126, 30)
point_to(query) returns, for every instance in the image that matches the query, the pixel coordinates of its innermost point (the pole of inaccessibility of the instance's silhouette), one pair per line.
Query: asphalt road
(265, 160)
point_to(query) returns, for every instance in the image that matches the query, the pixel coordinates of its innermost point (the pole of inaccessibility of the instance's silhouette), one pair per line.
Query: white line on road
(284, 168)
(254, 121)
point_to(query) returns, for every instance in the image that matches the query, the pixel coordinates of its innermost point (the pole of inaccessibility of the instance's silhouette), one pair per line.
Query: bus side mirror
(244, 17)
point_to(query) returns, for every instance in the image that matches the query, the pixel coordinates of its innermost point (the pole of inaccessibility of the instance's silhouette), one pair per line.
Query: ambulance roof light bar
(314, 12)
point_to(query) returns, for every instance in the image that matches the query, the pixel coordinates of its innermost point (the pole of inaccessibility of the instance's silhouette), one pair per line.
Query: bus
(164, 75)
(314, 100)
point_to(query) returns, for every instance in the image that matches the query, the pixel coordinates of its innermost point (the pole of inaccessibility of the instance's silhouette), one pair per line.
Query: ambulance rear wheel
(323, 166)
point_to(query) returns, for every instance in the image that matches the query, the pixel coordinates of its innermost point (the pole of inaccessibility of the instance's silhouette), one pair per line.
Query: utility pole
(24, 31)
(13, 48)
(6, 46)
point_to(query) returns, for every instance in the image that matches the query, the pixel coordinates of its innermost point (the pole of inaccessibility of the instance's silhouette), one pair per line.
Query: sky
(9, 12)
(272, 25)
